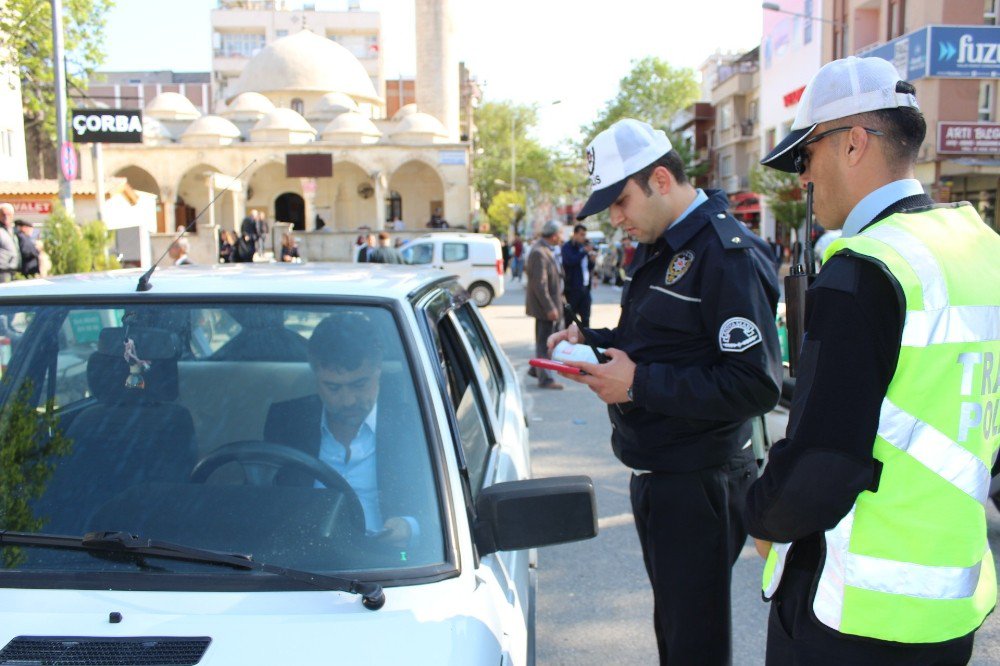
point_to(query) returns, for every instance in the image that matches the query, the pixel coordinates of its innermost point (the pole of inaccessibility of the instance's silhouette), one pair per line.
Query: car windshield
(290, 433)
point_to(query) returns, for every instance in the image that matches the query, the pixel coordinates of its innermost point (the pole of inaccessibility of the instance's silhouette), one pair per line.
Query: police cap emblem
(590, 161)
(679, 265)
(738, 334)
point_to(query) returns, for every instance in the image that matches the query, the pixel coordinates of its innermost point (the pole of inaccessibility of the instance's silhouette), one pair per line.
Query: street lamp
(775, 7)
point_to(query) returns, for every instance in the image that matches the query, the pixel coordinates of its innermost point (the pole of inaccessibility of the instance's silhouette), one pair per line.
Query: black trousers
(794, 637)
(580, 300)
(691, 534)
(543, 329)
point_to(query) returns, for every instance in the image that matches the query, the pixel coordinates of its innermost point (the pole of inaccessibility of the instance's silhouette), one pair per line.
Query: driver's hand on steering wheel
(396, 531)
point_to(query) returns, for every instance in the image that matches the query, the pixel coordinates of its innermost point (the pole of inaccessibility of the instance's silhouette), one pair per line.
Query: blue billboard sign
(964, 51)
(908, 53)
(945, 51)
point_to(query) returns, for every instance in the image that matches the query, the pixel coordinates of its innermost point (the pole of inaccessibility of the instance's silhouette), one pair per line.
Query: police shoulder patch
(738, 334)
(679, 265)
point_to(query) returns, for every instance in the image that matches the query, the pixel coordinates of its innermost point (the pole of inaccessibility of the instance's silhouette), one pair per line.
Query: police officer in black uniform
(694, 357)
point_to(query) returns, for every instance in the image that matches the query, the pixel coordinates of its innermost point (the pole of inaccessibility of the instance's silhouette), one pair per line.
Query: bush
(73, 249)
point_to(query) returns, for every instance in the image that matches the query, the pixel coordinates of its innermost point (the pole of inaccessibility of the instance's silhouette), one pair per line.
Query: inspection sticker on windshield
(738, 334)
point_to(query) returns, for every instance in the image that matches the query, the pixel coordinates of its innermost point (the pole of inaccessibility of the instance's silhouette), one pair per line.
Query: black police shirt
(697, 318)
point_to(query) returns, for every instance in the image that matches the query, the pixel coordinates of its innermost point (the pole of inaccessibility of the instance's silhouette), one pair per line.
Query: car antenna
(144, 284)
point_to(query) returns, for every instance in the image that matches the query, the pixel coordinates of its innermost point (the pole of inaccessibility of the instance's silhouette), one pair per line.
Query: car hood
(445, 623)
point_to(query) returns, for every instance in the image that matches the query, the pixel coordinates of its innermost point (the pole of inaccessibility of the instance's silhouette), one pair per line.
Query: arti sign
(968, 138)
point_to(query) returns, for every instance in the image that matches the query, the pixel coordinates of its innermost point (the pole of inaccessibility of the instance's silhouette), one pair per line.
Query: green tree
(32, 441)
(506, 208)
(534, 162)
(76, 249)
(26, 33)
(784, 197)
(653, 91)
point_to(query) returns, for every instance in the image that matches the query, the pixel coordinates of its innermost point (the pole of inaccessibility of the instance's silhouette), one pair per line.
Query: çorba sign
(969, 138)
(107, 126)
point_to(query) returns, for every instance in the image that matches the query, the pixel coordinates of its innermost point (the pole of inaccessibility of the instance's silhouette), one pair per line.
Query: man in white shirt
(348, 425)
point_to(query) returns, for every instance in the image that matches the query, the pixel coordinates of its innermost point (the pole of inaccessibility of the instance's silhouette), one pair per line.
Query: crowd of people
(22, 254)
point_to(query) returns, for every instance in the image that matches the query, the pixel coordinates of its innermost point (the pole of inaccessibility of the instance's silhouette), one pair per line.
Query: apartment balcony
(738, 81)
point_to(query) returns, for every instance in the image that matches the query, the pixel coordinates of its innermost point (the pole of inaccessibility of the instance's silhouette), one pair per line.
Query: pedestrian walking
(874, 501)
(246, 242)
(26, 244)
(543, 296)
(517, 257)
(693, 359)
(10, 250)
(577, 263)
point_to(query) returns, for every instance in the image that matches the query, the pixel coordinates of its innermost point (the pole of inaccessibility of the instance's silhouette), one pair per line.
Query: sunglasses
(802, 158)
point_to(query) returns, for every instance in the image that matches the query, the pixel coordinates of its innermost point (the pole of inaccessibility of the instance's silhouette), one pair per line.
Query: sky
(527, 51)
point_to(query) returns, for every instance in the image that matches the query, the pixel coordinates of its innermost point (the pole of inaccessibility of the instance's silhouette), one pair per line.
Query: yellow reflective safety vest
(911, 562)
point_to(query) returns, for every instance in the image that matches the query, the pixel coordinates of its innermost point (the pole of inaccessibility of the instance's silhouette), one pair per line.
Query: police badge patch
(590, 161)
(679, 265)
(738, 334)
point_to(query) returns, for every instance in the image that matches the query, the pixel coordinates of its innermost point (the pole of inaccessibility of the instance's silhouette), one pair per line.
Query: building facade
(133, 90)
(13, 157)
(948, 49)
(695, 126)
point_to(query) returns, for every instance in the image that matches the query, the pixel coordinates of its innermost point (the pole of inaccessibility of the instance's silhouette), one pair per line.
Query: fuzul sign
(107, 126)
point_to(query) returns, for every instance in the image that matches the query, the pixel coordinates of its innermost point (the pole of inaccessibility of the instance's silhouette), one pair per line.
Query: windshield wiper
(123, 543)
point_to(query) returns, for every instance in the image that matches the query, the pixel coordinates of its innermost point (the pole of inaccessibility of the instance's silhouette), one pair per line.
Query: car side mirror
(515, 515)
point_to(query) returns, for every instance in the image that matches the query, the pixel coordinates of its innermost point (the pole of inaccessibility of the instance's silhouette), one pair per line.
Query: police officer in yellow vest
(871, 513)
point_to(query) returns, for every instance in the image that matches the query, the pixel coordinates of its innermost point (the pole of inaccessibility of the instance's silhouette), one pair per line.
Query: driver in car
(349, 424)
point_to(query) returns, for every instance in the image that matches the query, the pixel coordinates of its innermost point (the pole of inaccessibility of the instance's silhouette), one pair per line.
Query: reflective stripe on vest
(910, 563)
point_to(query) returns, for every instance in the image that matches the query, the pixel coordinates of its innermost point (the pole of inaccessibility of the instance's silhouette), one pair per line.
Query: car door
(477, 400)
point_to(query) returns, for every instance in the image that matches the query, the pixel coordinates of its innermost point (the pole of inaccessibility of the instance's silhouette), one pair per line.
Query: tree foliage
(784, 197)
(26, 34)
(73, 249)
(32, 441)
(540, 170)
(653, 91)
(505, 209)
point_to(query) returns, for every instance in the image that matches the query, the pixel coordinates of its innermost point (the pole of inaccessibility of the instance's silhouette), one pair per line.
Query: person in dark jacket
(694, 358)
(29, 252)
(577, 264)
(385, 253)
(246, 242)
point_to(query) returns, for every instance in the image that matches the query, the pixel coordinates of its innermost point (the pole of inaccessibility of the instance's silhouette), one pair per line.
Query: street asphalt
(594, 601)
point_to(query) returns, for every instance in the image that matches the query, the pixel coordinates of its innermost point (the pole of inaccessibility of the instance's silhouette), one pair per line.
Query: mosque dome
(210, 131)
(419, 127)
(284, 126)
(331, 105)
(351, 128)
(306, 62)
(405, 110)
(171, 106)
(248, 106)
(154, 133)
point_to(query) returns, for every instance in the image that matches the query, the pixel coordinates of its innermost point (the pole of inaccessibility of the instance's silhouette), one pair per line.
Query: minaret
(437, 68)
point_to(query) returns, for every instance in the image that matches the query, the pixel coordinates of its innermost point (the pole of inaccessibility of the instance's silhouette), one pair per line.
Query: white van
(475, 258)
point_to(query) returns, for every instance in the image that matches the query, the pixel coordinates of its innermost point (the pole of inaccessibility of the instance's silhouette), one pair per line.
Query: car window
(455, 251)
(159, 403)
(486, 361)
(419, 253)
(469, 407)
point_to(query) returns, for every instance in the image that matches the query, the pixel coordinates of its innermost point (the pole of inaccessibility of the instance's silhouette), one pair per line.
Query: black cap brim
(601, 199)
(782, 157)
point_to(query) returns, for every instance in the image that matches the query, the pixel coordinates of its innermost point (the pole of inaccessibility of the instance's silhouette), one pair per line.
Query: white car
(476, 259)
(188, 499)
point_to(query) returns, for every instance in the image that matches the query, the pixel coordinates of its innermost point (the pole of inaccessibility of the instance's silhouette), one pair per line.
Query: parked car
(178, 502)
(476, 259)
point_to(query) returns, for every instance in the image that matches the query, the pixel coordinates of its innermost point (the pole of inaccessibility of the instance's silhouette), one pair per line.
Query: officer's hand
(611, 380)
(572, 334)
(763, 547)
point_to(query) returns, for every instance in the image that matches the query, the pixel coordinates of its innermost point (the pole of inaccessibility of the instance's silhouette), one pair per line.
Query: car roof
(391, 281)
(450, 236)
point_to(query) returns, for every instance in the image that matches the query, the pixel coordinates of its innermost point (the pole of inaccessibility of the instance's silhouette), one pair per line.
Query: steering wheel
(262, 461)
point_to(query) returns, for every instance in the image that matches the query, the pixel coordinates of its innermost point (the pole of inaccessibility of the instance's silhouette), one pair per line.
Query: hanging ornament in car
(136, 366)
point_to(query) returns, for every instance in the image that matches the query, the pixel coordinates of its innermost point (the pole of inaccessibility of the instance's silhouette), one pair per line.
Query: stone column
(437, 67)
(379, 182)
(169, 212)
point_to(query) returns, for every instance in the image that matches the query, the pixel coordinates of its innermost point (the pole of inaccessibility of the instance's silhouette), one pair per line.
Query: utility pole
(65, 189)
